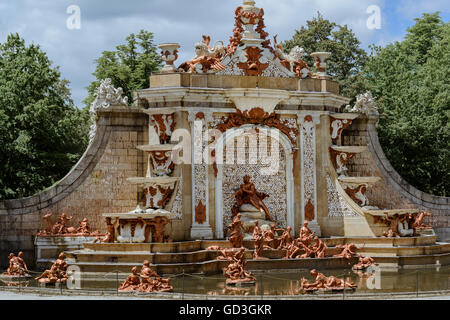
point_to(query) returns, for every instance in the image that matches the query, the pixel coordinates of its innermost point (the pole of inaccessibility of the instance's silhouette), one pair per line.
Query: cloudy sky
(105, 24)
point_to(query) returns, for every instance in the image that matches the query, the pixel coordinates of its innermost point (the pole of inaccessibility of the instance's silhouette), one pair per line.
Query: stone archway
(280, 185)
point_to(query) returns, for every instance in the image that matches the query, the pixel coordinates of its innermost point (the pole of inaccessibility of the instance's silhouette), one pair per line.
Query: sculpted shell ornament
(260, 117)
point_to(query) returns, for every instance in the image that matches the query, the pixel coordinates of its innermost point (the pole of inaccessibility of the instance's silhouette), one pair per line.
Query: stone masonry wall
(96, 185)
(392, 192)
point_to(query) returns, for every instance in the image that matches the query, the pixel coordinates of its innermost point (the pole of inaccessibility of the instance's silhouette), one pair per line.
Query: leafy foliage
(42, 134)
(129, 67)
(347, 57)
(411, 81)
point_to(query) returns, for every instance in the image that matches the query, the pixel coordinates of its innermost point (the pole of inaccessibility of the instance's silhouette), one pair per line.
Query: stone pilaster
(308, 148)
(201, 228)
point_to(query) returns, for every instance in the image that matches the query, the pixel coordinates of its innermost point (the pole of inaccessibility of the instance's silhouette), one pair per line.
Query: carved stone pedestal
(201, 232)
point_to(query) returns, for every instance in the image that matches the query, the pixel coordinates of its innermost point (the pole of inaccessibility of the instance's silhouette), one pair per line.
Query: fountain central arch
(279, 184)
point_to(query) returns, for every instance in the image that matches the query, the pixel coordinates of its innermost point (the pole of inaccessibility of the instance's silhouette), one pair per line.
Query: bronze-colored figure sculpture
(348, 251)
(247, 194)
(158, 225)
(235, 272)
(271, 238)
(110, 236)
(418, 221)
(320, 248)
(286, 238)
(17, 266)
(364, 263)
(151, 282)
(258, 238)
(132, 282)
(61, 228)
(236, 237)
(325, 283)
(57, 272)
(84, 228)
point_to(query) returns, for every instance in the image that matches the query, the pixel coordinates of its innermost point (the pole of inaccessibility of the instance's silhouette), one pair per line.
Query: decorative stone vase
(321, 63)
(169, 54)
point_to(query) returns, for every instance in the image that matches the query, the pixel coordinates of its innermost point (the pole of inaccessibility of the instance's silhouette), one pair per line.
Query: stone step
(382, 242)
(213, 267)
(406, 250)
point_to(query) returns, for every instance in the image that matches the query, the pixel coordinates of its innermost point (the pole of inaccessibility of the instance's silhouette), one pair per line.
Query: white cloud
(105, 24)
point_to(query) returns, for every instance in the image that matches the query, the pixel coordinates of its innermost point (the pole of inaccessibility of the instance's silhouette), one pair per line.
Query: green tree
(129, 67)
(410, 78)
(347, 58)
(42, 134)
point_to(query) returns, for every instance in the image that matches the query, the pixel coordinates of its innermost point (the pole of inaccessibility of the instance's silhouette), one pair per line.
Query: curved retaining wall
(392, 192)
(87, 190)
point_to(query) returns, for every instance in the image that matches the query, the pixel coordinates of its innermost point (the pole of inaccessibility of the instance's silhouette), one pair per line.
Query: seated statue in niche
(247, 194)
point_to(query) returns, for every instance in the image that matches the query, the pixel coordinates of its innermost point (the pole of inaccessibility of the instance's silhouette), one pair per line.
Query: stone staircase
(109, 261)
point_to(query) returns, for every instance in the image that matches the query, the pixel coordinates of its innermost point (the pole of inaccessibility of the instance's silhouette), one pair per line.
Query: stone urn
(321, 63)
(169, 54)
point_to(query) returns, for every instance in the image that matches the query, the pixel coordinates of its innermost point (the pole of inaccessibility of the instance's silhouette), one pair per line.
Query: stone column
(308, 170)
(201, 228)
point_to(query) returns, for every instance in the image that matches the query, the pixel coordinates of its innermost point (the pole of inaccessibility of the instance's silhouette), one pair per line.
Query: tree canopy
(347, 58)
(42, 133)
(410, 78)
(129, 66)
